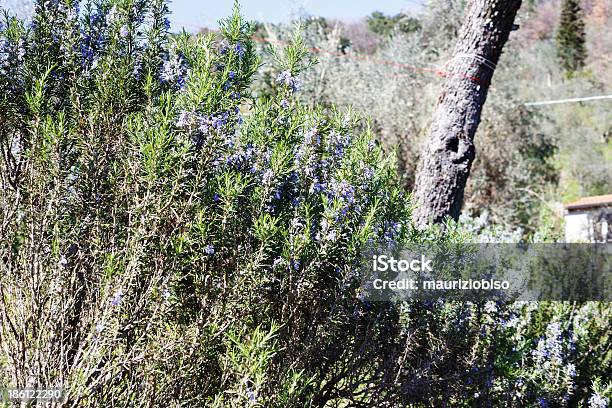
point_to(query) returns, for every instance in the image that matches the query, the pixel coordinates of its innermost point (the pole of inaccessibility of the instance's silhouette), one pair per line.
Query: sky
(193, 14)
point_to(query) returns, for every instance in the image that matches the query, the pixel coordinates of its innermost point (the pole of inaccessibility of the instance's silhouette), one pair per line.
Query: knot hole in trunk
(452, 144)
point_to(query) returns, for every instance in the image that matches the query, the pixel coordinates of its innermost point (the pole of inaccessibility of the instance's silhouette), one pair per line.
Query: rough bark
(449, 151)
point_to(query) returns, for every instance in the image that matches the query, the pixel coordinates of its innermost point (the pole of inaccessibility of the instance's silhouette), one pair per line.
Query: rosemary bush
(168, 239)
(166, 235)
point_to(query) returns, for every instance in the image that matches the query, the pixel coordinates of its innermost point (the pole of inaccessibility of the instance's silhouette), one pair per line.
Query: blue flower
(542, 402)
(209, 249)
(181, 82)
(391, 231)
(312, 134)
(283, 77)
(287, 79)
(550, 346)
(570, 370)
(339, 150)
(184, 119)
(174, 70)
(277, 262)
(251, 395)
(219, 121)
(116, 299)
(268, 176)
(137, 69)
(204, 128)
(541, 352)
(87, 53)
(343, 191)
(296, 85)
(239, 50)
(331, 235)
(598, 401)
(317, 186)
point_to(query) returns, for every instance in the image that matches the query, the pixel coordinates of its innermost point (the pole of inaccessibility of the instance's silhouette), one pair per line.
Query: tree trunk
(448, 155)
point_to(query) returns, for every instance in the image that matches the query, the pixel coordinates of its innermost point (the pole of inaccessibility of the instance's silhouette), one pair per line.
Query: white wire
(487, 63)
(557, 101)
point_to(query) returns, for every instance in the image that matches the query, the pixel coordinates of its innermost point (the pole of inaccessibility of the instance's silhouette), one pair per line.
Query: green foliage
(387, 25)
(571, 36)
(173, 220)
(169, 237)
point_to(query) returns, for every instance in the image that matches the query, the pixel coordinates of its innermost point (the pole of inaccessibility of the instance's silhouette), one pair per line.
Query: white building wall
(577, 227)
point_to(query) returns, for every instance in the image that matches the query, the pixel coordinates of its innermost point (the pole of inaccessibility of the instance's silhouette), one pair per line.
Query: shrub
(168, 239)
(171, 234)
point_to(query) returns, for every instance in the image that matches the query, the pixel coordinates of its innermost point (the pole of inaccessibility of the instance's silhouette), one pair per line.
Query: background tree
(384, 25)
(571, 37)
(449, 150)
